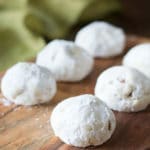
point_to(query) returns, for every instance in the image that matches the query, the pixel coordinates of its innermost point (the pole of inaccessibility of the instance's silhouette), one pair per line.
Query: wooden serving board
(28, 128)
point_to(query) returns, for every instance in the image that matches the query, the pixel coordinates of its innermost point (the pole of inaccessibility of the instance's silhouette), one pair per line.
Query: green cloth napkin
(24, 23)
(12, 4)
(54, 18)
(17, 43)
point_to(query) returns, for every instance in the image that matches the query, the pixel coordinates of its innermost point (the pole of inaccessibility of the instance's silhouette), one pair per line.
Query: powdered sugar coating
(123, 89)
(138, 57)
(67, 61)
(28, 84)
(83, 121)
(101, 39)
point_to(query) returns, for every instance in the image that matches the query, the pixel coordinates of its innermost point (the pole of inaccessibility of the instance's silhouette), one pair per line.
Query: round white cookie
(123, 89)
(83, 121)
(101, 39)
(66, 60)
(28, 84)
(139, 57)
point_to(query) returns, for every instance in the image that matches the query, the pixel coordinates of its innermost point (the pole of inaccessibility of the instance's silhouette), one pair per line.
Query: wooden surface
(28, 128)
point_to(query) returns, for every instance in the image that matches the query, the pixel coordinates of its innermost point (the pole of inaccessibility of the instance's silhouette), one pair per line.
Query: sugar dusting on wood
(2, 114)
(17, 108)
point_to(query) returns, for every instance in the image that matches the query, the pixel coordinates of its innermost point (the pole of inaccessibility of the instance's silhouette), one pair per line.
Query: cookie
(101, 39)
(83, 121)
(123, 89)
(138, 57)
(28, 84)
(66, 60)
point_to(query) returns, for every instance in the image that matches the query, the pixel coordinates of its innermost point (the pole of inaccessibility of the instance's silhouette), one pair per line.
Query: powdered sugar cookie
(101, 39)
(83, 121)
(139, 58)
(123, 89)
(28, 84)
(66, 60)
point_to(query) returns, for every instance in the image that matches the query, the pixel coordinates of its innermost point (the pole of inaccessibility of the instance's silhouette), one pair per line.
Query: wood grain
(28, 128)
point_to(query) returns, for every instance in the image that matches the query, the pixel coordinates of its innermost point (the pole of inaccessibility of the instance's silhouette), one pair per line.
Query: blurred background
(27, 25)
